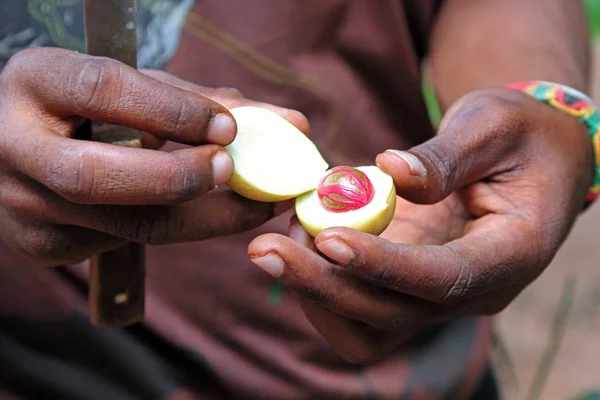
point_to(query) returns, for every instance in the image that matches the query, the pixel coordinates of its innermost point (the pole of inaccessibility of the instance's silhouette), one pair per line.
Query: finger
(330, 286)
(353, 341)
(483, 260)
(218, 213)
(231, 98)
(98, 173)
(479, 137)
(53, 245)
(104, 89)
(299, 235)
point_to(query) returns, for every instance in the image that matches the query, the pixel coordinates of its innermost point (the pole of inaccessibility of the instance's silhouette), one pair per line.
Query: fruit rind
(261, 171)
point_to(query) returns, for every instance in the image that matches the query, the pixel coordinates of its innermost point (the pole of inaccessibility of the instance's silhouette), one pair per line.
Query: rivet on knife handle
(117, 278)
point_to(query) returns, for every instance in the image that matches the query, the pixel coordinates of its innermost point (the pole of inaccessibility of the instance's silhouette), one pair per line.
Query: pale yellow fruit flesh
(273, 160)
(373, 218)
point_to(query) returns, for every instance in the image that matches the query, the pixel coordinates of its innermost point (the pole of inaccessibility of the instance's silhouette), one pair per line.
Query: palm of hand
(434, 224)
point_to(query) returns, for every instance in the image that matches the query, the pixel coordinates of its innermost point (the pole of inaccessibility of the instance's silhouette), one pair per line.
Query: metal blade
(117, 278)
(110, 28)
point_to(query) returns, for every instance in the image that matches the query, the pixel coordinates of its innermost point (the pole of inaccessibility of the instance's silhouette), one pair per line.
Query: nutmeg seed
(372, 216)
(345, 189)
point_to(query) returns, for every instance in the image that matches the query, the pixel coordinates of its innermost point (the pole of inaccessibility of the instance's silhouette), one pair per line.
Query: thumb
(475, 141)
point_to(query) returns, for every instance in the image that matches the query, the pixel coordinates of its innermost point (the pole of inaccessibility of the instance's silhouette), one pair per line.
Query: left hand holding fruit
(490, 200)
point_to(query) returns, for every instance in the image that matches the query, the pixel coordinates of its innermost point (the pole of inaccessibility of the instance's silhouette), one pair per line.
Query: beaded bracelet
(575, 103)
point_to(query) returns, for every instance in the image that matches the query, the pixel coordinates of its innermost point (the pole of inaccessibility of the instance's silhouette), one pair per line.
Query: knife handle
(117, 287)
(117, 277)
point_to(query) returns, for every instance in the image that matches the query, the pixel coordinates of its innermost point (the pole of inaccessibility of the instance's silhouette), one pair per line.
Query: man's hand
(63, 199)
(492, 197)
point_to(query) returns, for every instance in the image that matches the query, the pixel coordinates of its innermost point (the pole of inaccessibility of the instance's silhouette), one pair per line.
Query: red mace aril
(345, 189)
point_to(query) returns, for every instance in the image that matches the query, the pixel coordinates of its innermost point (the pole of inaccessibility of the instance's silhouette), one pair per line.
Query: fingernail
(271, 263)
(337, 250)
(417, 167)
(221, 130)
(222, 165)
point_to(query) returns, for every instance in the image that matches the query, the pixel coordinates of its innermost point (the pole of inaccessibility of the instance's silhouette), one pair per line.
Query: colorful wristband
(575, 103)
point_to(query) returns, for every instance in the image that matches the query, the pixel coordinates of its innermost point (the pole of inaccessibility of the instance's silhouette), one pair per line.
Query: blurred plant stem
(556, 335)
(504, 363)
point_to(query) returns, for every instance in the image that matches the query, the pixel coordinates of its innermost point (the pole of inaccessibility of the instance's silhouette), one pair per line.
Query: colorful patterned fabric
(60, 23)
(577, 104)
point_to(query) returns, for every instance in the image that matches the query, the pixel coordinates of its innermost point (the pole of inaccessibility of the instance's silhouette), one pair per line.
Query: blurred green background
(593, 12)
(593, 9)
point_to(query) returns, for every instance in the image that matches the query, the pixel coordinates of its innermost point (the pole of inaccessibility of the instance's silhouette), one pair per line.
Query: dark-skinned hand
(63, 199)
(483, 208)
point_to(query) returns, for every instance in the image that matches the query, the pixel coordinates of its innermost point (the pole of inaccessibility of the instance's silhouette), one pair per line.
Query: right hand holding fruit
(63, 199)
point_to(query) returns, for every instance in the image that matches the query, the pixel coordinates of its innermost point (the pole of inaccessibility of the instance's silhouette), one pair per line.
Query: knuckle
(13, 198)
(145, 228)
(176, 184)
(71, 175)
(22, 201)
(443, 161)
(504, 117)
(94, 85)
(24, 206)
(18, 71)
(20, 62)
(180, 180)
(457, 287)
(182, 118)
(44, 243)
(150, 225)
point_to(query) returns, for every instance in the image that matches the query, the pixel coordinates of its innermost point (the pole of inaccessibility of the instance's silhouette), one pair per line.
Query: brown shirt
(217, 327)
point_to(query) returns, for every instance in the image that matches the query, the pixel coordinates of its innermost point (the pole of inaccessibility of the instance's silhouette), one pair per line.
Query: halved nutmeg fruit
(274, 161)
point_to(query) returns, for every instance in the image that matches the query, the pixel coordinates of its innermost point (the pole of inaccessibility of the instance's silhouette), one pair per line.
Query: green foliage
(593, 13)
(435, 114)
(589, 396)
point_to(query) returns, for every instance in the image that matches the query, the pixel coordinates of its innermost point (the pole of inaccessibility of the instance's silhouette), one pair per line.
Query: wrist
(577, 104)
